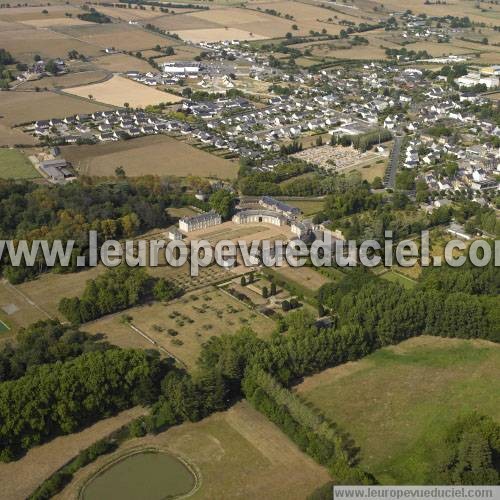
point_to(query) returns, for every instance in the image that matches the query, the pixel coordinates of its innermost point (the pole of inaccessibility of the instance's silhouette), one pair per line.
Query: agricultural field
(121, 63)
(119, 90)
(14, 165)
(153, 155)
(73, 79)
(224, 24)
(408, 394)
(181, 327)
(42, 461)
(307, 17)
(237, 453)
(27, 42)
(33, 13)
(120, 36)
(24, 107)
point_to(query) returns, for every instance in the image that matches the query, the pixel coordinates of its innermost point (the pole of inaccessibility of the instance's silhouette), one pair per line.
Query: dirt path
(19, 479)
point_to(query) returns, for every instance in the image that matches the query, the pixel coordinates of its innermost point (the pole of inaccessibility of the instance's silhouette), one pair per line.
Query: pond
(148, 475)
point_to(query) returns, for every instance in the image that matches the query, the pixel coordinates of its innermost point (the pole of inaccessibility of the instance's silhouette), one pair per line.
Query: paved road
(390, 178)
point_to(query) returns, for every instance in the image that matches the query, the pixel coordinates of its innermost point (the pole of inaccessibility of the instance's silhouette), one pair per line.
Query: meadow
(397, 402)
(237, 453)
(14, 165)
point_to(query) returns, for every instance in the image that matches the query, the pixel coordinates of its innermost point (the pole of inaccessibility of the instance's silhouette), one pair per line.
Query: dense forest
(118, 209)
(61, 397)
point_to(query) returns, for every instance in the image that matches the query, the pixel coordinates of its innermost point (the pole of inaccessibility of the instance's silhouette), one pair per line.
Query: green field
(14, 165)
(394, 277)
(397, 403)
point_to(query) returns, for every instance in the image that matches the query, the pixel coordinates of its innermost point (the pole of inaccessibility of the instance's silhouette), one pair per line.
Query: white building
(181, 68)
(202, 221)
(260, 216)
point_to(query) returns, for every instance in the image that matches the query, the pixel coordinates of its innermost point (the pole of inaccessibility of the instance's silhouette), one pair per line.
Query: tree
(120, 172)
(51, 67)
(243, 281)
(273, 288)
(222, 202)
(265, 292)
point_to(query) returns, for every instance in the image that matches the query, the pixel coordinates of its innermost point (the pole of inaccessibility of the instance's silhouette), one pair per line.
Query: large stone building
(202, 221)
(279, 206)
(260, 216)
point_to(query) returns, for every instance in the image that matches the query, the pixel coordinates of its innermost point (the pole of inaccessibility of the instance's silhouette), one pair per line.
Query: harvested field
(119, 90)
(23, 107)
(121, 36)
(14, 165)
(238, 453)
(155, 155)
(55, 21)
(10, 136)
(181, 327)
(32, 13)
(178, 22)
(25, 43)
(42, 461)
(409, 393)
(65, 81)
(121, 63)
(260, 24)
(217, 34)
(307, 17)
(129, 14)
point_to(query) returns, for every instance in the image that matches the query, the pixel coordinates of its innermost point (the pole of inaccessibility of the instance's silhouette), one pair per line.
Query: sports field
(397, 402)
(14, 165)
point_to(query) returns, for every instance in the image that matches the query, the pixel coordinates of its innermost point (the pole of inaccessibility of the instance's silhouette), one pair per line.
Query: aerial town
(149, 122)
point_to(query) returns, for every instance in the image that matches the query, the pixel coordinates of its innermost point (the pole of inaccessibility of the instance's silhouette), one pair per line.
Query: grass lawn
(308, 207)
(397, 402)
(14, 165)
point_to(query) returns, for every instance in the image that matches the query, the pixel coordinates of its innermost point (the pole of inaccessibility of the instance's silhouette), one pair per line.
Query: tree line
(115, 290)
